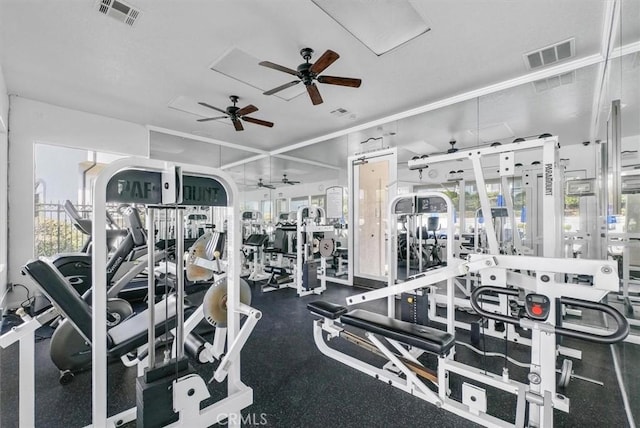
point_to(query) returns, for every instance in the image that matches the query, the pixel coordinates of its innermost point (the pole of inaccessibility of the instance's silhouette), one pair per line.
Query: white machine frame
(305, 251)
(497, 270)
(239, 395)
(552, 203)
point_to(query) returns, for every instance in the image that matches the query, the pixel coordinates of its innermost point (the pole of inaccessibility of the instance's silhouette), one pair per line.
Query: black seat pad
(422, 337)
(327, 309)
(122, 338)
(61, 294)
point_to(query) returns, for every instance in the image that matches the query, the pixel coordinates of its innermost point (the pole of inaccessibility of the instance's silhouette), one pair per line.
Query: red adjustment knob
(536, 310)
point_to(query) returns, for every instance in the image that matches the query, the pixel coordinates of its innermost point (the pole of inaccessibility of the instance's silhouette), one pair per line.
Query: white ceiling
(64, 52)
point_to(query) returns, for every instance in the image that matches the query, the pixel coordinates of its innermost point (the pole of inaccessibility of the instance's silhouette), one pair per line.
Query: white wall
(33, 121)
(4, 152)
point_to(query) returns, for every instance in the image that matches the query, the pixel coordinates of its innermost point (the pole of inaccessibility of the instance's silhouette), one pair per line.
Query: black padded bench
(327, 309)
(422, 337)
(122, 338)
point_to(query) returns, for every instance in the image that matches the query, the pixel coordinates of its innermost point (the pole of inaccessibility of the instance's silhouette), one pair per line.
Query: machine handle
(617, 336)
(492, 315)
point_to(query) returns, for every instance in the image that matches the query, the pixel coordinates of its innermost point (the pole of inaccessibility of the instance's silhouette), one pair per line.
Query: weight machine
(307, 236)
(169, 393)
(533, 283)
(544, 177)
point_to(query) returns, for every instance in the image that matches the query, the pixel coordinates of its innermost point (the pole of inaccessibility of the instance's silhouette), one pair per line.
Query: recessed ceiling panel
(243, 67)
(382, 25)
(493, 132)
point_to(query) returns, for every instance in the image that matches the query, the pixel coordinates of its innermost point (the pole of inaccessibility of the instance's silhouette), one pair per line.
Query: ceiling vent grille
(550, 54)
(339, 112)
(119, 11)
(554, 81)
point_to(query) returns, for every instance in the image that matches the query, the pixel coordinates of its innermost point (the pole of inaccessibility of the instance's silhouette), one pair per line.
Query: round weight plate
(565, 373)
(214, 304)
(327, 247)
(200, 249)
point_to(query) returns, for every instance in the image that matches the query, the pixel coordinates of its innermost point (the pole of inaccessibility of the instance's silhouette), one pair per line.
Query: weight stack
(310, 274)
(154, 393)
(414, 308)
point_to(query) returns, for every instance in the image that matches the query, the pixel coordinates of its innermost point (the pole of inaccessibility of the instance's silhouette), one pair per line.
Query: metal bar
(179, 222)
(467, 153)
(428, 278)
(552, 199)
(151, 284)
(481, 187)
(603, 200)
(58, 226)
(26, 401)
(233, 351)
(462, 202)
(616, 156)
(99, 298)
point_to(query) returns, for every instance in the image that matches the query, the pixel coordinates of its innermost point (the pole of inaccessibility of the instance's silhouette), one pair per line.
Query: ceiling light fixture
(381, 26)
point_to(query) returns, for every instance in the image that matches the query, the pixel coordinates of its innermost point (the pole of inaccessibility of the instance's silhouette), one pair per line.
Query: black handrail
(619, 334)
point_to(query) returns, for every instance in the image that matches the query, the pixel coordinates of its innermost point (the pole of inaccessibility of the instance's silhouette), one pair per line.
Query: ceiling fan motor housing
(305, 74)
(306, 53)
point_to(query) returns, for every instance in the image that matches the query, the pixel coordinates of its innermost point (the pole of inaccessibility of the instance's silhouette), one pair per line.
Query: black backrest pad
(326, 309)
(62, 295)
(422, 337)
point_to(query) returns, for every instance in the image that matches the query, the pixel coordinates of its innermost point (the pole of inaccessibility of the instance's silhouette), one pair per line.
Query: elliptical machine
(76, 267)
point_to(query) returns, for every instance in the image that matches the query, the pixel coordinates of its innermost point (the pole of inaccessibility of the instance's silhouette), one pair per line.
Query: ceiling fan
(285, 180)
(307, 73)
(236, 113)
(261, 184)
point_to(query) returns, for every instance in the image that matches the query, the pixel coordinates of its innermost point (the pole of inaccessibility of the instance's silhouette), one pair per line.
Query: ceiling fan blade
(294, 182)
(342, 81)
(278, 67)
(215, 108)
(281, 87)
(312, 89)
(237, 124)
(247, 110)
(327, 58)
(211, 118)
(258, 121)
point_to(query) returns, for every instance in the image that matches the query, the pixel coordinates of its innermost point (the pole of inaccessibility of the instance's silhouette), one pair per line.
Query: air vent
(339, 112)
(119, 11)
(343, 113)
(554, 81)
(550, 54)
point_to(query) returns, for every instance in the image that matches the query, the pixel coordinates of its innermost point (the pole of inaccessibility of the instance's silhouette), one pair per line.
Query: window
(298, 202)
(318, 200)
(266, 208)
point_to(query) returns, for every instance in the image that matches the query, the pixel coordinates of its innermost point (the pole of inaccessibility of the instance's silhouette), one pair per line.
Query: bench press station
(408, 341)
(541, 295)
